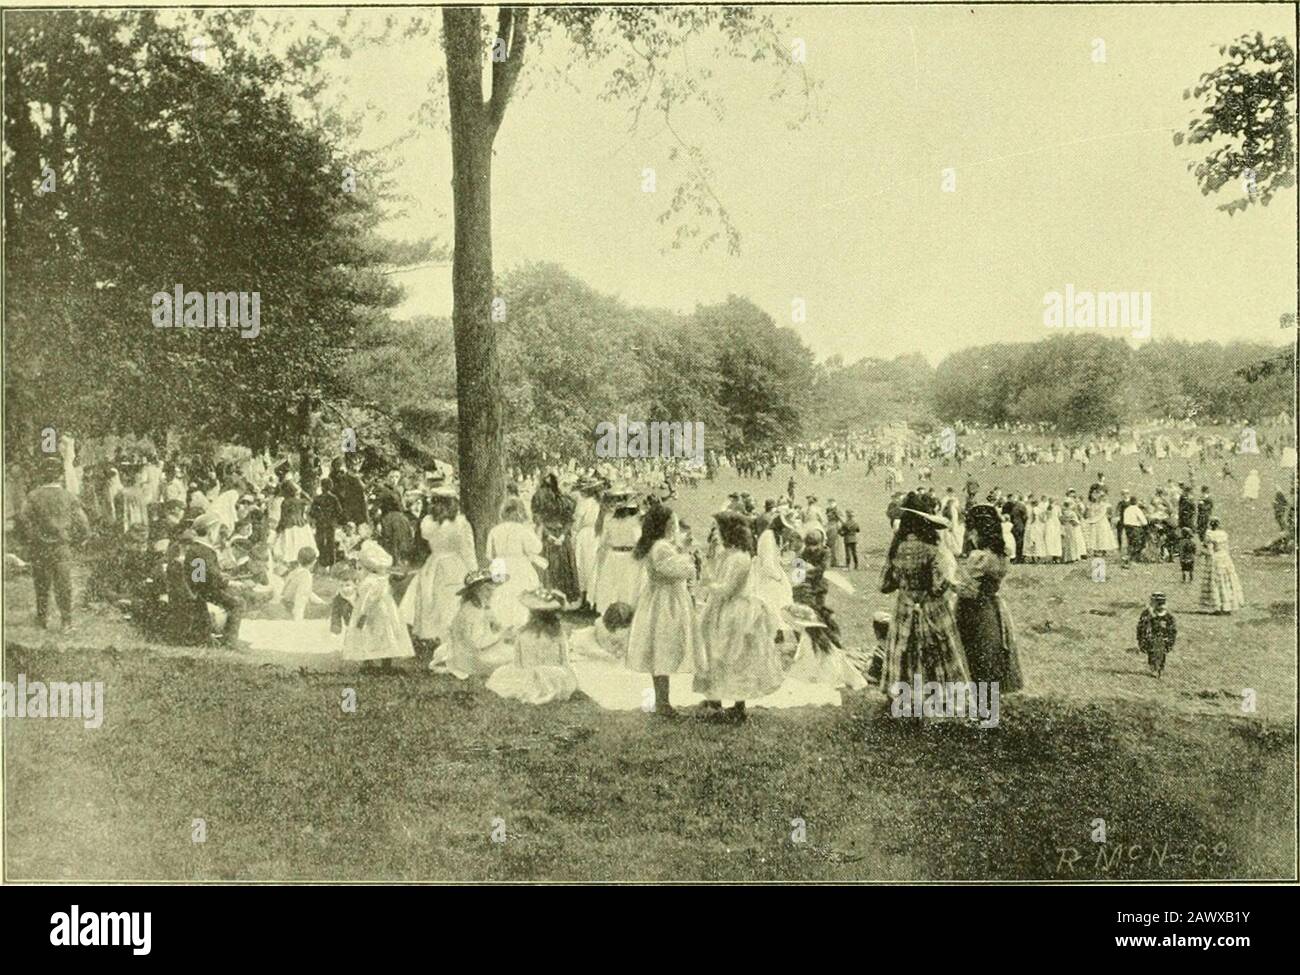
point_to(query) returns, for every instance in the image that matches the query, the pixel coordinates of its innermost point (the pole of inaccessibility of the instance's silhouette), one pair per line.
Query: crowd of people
(232, 551)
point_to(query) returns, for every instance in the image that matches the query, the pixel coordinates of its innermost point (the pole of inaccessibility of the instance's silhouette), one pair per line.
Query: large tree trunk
(478, 365)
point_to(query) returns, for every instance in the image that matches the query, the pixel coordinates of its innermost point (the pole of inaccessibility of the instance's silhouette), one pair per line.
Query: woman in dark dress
(982, 618)
(553, 512)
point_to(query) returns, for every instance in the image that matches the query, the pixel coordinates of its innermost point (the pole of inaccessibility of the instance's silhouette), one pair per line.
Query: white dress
(519, 548)
(376, 631)
(1250, 487)
(540, 672)
(617, 572)
(1052, 529)
(584, 541)
(768, 579)
(430, 602)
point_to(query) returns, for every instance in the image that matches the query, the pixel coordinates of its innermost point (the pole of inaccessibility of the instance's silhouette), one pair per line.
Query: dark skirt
(989, 641)
(561, 567)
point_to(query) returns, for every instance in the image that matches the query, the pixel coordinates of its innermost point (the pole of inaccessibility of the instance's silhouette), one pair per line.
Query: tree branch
(512, 27)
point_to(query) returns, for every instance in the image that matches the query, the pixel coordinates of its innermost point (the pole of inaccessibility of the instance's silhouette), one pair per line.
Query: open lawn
(416, 782)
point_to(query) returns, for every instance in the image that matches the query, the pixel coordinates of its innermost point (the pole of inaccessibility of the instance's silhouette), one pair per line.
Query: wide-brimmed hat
(374, 557)
(205, 522)
(801, 616)
(938, 520)
(543, 600)
(477, 578)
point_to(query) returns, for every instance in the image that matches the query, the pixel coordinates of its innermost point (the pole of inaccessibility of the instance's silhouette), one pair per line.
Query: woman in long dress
(430, 602)
(553, 511)
(737, 628)
(585, 516)
(768, 579)
(1052, 547)
(1035, 534)
(665, 636)
(987, 635)
(514, 552)
(1250, 486)
(295, 532)
(923, 640)
(1098, 535)
(1221, 590)
(617, 572)
(833, 539)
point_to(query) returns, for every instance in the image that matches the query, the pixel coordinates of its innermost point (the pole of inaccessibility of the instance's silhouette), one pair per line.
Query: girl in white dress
(376, 631)
(768, 579)
(665, 636)
(617, 572)
(540, 672)
(738, 629)
(515, 553)
(476, 644)
(429, 603)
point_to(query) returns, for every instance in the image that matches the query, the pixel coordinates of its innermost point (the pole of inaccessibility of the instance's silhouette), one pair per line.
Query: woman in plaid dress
(923, 638)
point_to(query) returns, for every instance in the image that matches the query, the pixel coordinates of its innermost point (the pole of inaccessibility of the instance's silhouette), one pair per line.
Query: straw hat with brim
(205, 522)
(543, 600)
(374, 558)
(801, 616)
(932, 519)
(476, 579)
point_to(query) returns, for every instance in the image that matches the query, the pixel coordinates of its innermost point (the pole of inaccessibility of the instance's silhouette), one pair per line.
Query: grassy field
(428, 773)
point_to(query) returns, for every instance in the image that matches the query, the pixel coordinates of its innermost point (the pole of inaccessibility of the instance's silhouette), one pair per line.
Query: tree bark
(478, 366)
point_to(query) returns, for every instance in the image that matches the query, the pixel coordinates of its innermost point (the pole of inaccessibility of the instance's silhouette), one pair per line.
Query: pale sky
(1066, 174)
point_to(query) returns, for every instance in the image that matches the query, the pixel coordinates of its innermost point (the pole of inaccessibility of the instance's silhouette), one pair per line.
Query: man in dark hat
(50, 521)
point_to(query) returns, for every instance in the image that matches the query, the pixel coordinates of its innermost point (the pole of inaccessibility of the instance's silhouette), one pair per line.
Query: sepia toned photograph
(643, 444)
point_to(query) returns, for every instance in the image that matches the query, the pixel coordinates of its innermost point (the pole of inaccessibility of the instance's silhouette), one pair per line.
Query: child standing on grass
(1156, 632)
(297, 594)
(1188, 549)
(665, 637)
(376, 630)
(737, 628)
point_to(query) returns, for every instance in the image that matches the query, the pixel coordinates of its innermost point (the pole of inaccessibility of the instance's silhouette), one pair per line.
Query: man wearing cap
(208, 582)
(1156, 632)
(50, 520)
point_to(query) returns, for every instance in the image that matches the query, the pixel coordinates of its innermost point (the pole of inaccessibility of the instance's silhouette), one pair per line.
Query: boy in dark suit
(1156, 632)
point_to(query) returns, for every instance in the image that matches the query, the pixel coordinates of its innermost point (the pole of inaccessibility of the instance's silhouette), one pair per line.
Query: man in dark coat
(207, 580)
(350, 492)
(327, 515)
(49, 522)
